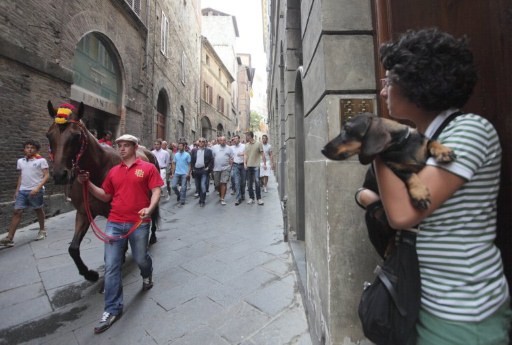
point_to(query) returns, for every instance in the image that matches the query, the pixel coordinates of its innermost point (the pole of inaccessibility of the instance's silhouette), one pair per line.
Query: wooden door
(488, 27)
(160, 126)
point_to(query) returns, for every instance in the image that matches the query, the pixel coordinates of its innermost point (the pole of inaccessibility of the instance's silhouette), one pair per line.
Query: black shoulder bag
(389, 307)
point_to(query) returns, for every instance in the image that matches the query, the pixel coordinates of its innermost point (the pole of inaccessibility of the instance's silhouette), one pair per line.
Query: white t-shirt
(31, 172)
(238, 151)
(163, 158)
(221, 156)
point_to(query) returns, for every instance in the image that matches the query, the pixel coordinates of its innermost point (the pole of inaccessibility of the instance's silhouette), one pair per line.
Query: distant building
(216, 117)
(244, 79)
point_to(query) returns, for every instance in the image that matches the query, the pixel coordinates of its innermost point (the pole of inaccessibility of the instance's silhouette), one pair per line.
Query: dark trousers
(253, 179)
(238, 173)
(201, 180)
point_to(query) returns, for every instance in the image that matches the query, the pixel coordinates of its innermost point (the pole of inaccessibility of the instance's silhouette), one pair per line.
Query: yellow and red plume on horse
(63, 112)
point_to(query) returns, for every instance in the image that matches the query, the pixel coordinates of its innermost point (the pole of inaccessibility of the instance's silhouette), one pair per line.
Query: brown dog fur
(402, 148)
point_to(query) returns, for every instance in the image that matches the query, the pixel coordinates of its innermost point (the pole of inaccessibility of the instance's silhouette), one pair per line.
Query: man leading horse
(72, 149)
(127, 187)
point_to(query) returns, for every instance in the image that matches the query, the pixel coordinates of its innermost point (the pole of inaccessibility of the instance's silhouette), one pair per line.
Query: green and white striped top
(461, 269)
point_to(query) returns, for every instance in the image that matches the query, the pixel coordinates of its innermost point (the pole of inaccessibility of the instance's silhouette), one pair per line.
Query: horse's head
(66, 139)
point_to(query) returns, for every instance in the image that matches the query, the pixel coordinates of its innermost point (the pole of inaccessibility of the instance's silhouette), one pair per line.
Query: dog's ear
(375, 141)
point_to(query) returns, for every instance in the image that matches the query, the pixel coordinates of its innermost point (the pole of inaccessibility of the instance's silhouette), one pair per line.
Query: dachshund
(402, 148)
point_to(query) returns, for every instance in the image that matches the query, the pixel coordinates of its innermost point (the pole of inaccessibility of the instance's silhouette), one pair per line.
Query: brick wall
(37, 44)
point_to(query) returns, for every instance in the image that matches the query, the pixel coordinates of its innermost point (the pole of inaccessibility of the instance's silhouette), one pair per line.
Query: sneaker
(196, 195)
(233, 192)
(260, 202)
(237, 202)
(147, 283)
(41, 235)
(168, 198)
(6, 242)
(222, 202)
(265, 189)
(250, 201)
(106, 321)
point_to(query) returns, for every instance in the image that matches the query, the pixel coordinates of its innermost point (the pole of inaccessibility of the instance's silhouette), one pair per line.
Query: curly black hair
(34, 143)
(433, 69)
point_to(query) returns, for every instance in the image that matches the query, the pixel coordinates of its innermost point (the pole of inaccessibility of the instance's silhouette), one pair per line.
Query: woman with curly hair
(465, 298)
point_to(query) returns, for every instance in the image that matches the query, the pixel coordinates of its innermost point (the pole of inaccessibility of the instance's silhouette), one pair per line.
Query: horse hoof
(152, 239)
(92, 276)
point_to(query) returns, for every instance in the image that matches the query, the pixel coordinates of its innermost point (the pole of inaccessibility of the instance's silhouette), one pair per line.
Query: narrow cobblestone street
(223, 275)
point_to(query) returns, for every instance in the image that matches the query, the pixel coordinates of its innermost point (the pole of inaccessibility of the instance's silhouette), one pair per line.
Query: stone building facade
(245, 79)
(216, 113)
(323, 68)
(134, 64)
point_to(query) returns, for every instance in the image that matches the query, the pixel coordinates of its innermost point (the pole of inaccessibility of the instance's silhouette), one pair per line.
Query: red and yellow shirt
(130, 189)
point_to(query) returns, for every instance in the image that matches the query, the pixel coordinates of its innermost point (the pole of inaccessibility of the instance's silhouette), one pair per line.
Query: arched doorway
(299, 157)
(220, 130)
(98, 82)
(206, 128)
(162, 106)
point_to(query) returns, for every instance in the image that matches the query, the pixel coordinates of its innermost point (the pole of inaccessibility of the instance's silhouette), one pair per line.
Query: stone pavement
(223, 275)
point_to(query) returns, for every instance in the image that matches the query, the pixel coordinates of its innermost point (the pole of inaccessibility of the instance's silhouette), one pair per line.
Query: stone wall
(332, 43)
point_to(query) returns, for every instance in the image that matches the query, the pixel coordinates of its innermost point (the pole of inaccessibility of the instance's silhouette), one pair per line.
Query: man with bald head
(222, 160)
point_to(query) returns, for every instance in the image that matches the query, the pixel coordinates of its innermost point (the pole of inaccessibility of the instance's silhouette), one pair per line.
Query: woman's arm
(400, 212)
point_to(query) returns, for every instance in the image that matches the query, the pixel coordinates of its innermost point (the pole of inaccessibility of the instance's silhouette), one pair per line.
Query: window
(208, 94)
(183, 68)
(163, 34)
(220, 104)
(134, 5)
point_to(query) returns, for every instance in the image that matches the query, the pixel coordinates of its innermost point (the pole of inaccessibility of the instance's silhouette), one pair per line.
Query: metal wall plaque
(351, 107)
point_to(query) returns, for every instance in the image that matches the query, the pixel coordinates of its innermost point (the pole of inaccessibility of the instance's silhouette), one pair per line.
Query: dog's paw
(445, 156)
(420, 195)
(421, 204)
(441, 153)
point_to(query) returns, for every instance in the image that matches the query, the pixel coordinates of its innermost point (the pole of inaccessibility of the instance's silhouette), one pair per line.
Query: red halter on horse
(74, 148)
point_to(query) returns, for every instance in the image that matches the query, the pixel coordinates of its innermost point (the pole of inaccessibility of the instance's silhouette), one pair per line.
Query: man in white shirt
(29, 190)
(164, 160)
(238, 169)
(222, 160)
(266, 169)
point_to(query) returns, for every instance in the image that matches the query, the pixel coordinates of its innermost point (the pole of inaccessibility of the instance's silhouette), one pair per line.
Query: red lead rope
(95, 228)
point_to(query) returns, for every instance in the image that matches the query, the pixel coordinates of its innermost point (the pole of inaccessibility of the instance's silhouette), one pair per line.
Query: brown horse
(74, 148)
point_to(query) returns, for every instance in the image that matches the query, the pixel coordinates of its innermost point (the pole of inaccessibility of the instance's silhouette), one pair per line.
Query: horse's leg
(81, 226)
(155, 217)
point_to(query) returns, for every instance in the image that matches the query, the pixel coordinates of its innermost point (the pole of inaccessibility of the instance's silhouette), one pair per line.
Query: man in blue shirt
(180, 172)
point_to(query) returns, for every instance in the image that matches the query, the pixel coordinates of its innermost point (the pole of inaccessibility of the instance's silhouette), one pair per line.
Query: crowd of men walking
(244, 165)
(134, 188)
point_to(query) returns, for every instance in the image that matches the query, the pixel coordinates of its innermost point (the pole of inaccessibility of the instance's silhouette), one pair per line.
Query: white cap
(128, 137)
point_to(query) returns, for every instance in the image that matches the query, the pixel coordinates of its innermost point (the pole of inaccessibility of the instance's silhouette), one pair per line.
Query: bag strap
(445, 123)
(387, 283)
